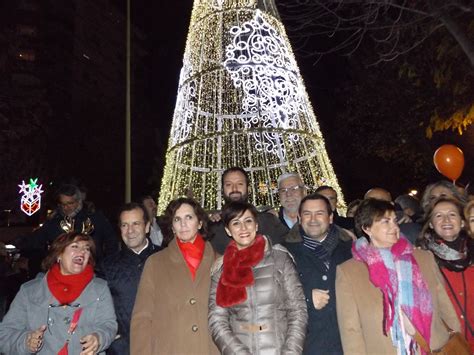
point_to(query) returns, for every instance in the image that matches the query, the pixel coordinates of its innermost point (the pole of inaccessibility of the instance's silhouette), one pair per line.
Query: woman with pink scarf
(390, 296)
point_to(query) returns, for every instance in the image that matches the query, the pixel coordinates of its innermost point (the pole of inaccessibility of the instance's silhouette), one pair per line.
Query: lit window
(26, 55)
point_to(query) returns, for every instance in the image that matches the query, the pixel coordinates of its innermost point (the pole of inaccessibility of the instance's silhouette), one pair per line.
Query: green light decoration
(241, 102)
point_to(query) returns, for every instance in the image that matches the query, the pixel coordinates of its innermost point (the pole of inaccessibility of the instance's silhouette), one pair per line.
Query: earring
(58, 260)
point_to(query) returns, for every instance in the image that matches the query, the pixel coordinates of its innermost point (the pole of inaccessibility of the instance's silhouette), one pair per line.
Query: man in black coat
(318, 246)
(123, 270)
(235, 184)
(72, 214)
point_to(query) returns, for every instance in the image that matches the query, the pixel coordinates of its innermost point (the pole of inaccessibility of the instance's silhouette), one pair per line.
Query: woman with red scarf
(65, 311)
(170, 312)
(445, 236)
(390, 297)
(257, 304)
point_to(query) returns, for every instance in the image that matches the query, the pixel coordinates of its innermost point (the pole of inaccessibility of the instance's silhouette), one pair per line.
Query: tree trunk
(458, 34)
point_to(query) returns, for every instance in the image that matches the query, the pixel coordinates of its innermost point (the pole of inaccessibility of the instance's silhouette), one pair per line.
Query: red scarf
(67, 288)
(237, 272)
(192, 253)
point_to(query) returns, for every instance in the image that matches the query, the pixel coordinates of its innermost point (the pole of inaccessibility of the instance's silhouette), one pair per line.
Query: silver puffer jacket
(273, 318)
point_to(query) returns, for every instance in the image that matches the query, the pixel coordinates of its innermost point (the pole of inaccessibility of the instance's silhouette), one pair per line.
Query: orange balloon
(449, 161)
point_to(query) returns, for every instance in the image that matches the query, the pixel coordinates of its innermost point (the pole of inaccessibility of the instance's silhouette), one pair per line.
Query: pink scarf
(396, 273)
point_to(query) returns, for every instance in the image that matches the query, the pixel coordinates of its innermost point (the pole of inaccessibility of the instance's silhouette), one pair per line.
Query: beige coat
(170, 313)
(360, 309)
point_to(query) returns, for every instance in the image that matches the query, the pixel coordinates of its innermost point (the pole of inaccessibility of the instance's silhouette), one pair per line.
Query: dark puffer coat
(122, 272)
(273, 318)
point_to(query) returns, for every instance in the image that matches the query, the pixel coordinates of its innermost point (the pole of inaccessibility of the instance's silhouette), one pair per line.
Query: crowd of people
(391, 277)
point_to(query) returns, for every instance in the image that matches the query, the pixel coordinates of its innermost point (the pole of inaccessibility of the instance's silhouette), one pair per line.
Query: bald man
(409, 229)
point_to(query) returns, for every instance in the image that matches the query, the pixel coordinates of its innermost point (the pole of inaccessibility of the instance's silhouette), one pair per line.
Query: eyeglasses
(238, 224)
(290, 190)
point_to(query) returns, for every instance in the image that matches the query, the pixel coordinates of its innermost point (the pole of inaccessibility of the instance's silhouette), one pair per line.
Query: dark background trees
(387, 78)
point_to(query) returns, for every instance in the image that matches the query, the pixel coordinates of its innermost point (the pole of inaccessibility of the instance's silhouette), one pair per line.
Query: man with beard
(235, 183)
(71, 215)
(291, 191)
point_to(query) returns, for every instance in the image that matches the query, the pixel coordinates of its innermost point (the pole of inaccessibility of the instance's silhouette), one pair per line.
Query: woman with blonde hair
(469, 216)
(445, 236)
(390, 296)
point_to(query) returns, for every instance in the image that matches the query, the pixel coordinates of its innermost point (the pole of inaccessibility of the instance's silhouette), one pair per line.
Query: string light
(30, 196)
(241, 102)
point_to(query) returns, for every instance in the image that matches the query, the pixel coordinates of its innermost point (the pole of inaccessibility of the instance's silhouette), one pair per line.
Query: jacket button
(192, 301)
(194, 328)
(324, 277)
(301, 274)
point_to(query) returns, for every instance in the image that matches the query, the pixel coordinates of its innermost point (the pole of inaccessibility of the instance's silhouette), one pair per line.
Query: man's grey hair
(69, 190)
(288, 175)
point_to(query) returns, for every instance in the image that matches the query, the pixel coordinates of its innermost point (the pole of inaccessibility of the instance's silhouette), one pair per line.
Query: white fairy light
(30, 196)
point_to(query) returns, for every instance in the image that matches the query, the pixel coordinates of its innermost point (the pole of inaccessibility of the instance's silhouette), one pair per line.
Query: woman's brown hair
(170, 211)
(60, 244)
(421, 240)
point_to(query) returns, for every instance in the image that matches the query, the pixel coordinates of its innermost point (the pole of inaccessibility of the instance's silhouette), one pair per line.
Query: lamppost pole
(128, 155)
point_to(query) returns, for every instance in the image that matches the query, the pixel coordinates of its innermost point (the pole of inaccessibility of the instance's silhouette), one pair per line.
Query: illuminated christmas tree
(241, 102)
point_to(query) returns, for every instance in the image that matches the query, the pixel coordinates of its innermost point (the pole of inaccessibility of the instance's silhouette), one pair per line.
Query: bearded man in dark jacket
(235, 187)
(318, 246)
(123, 270)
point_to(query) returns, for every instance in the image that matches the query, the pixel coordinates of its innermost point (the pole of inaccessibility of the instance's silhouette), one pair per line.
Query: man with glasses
(71, 215)
(291, 191)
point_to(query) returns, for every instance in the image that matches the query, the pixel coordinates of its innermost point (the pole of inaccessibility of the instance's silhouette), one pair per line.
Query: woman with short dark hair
(65, 311)
(257, 304)
(389, 296)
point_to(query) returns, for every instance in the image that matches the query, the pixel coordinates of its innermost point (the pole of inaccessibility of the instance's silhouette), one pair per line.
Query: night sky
(167, 26)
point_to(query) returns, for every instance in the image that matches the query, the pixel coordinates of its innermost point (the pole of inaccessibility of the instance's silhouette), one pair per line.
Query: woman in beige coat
(170, 313)
(389, 291)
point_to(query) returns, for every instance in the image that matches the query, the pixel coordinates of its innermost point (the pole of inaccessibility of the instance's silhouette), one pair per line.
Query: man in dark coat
(123, 270)
(318, 246)
(72, 214)
(155, 235)
(331, 195)
(235, 183)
